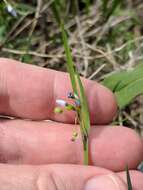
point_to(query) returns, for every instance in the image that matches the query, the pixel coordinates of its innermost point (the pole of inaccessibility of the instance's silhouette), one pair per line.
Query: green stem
(84, 134)
(85, 148)
(83, 113)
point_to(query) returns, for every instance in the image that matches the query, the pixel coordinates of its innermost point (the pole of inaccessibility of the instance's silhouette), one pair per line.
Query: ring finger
(30, 142)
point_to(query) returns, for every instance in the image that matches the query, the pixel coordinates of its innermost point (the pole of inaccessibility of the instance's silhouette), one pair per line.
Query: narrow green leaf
(56, 12)
(24, 9)
(121, 79)
(79, 90)
(126, 85)
(84, 115)
(104, 5)
(70, 64)
(87, 4)
(75, 79)
(128, 179)
(108, 8)
(127, 94)
(58, 2)
(114, 5)
(83, 99)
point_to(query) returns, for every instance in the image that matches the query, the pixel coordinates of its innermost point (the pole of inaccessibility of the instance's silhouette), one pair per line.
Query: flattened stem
(78, 89)
(85, 149)
(84, 134)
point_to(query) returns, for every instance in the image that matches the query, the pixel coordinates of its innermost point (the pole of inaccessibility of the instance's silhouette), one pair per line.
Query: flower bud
(74, 136)
(70, 95)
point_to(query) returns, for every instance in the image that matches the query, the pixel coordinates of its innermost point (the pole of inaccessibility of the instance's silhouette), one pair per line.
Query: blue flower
(62, 103)
(11, 10)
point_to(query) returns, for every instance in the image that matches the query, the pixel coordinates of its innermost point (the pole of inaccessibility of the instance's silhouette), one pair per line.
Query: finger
(58, 177)
(136, 179)
(28, 91)
(29, 142)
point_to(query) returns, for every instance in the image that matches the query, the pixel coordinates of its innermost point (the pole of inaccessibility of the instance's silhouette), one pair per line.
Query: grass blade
(124, 78)
(55, 9)
(108, 11)
(70, 64)
(87, 4)
(75, 79)
(84, 117)
(126, 85)
(85, 111)
(127, 94)
(79, 90)
(115, 4)
(104, 5)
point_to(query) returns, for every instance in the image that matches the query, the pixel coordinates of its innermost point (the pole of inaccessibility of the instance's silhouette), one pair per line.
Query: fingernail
(108, 182)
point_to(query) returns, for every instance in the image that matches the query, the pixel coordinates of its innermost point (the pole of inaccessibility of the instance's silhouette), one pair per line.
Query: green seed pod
(74, 136)
(58, 110)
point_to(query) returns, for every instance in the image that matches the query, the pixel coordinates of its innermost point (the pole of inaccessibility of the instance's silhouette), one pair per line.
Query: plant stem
(85, 146)
(78, 89)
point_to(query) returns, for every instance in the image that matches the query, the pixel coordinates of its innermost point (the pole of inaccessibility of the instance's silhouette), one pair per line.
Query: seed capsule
(75, 135)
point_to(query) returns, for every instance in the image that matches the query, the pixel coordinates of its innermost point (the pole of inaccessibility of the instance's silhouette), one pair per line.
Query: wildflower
(11, 10)
(67, 106)
(62, 103)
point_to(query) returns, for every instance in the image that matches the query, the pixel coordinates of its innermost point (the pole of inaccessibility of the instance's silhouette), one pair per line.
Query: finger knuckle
(49, 180)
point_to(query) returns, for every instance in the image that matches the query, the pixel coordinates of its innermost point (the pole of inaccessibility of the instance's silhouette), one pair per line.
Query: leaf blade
(78, 89)
(127, 94)
(70, 64)
(123, 77)
(126, 85)
(85, 111)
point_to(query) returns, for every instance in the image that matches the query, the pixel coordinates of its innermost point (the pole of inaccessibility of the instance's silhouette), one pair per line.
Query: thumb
(108, 182)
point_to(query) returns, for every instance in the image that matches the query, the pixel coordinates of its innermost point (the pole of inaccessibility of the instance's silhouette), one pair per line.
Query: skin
(40, 155)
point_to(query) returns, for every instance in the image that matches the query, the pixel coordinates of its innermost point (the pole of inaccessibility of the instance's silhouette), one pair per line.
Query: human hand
(40, 154)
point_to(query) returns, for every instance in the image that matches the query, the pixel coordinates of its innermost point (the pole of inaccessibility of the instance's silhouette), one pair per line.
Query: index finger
(28, 91)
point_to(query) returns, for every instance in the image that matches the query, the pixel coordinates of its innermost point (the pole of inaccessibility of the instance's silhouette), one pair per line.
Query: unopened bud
(70, 95)
(75, 135)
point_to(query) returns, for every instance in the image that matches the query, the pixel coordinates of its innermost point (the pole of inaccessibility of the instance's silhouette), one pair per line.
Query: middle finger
(30, 142)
